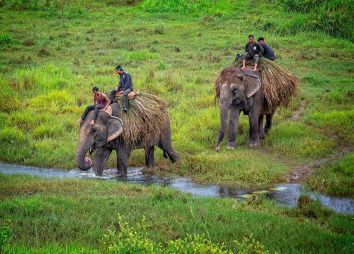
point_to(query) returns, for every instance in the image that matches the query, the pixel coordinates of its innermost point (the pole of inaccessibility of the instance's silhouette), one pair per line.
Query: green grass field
(53, 52)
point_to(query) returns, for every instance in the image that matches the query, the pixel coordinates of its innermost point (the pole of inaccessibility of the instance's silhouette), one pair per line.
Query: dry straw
(146, 117)
(279, 85)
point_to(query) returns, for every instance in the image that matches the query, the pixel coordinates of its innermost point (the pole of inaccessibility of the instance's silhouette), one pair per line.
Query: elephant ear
(115, 128)
(253, 84)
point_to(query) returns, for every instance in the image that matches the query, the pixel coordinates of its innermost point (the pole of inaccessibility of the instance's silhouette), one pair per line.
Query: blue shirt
(268, 52)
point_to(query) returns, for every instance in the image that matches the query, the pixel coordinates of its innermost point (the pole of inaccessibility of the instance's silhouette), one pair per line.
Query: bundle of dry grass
(146, 117)
(279, 85)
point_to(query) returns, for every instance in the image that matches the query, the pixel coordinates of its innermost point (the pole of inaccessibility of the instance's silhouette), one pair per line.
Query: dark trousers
(96, 108)
(113, 93)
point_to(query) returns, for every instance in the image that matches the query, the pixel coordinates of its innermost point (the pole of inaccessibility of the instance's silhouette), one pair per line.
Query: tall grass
(197, 8)
(334, 17)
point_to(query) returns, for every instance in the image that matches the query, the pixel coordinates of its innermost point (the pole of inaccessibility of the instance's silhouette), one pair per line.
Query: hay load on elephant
(146, 117)
(279, 85)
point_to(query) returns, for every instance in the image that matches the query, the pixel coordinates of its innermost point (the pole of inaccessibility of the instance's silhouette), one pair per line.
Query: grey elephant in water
(106, 135)
(240, 90)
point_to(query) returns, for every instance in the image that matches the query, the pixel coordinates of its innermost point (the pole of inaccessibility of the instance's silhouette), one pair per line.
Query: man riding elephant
(125, 85)
(252, 51)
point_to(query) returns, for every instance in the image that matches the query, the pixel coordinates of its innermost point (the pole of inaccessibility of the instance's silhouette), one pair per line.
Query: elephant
(105, 136)
(240, 90)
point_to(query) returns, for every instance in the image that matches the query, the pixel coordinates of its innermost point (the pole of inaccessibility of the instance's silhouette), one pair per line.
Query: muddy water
(284, 194)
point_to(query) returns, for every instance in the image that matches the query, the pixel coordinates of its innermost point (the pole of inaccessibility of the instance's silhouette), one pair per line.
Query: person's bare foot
(255, 69)
(92, 122)
(243, 67)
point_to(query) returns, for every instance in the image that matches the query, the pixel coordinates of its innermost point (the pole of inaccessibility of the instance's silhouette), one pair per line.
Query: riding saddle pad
(108, 110)
(131, 95)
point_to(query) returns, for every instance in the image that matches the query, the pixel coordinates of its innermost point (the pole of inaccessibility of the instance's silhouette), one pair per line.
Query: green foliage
(128, 239)
(249, 245)
(334, 17)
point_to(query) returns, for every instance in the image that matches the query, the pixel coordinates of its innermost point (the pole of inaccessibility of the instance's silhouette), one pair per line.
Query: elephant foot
(262, 135)
(253, 143)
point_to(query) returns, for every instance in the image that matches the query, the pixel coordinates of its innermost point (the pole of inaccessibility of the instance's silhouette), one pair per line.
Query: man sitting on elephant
(252, 51)
(125, 85)
(100, 101)
(268, 51)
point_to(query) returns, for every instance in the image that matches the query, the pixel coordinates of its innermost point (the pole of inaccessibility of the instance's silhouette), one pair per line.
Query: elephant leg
(233, 125)
(149, 156)
(123, 157)
(268, 123)
(260, 127)
(253, 121)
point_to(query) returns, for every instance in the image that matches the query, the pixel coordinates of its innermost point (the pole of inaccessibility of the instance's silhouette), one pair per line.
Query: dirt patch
(301, 173)
(297, 113)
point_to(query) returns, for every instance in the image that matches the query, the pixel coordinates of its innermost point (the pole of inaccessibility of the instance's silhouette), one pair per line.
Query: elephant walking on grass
(111, 133)
(242, 90)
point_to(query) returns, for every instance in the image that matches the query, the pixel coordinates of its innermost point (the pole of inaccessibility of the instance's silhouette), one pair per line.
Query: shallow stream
(285, 194)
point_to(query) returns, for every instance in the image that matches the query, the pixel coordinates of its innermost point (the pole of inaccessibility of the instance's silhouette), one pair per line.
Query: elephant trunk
(101, 157)
(85, 143)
